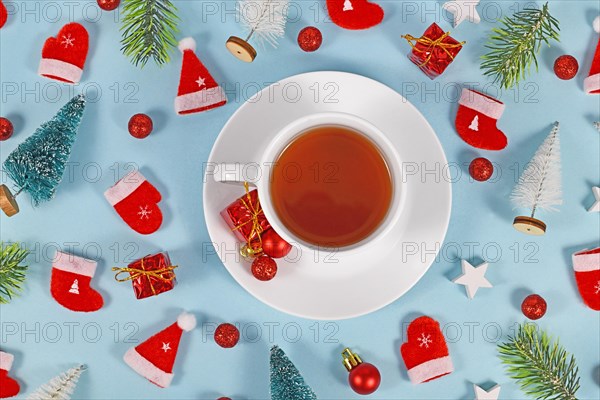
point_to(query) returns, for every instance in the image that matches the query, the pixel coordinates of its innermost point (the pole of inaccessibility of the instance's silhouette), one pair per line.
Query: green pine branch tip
(513, 48)
(542, 367)
(148, 31)
(12, 273)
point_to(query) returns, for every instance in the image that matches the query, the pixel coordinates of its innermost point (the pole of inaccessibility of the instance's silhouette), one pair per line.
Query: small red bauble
(273, 245)
(227, 335)
(264, 268)
(364, 379)
(140, 126)
(534, 306)
(310, 39)
(6, 128)
(566, 67)
(108, 5)
(223, 398)
(481, 169)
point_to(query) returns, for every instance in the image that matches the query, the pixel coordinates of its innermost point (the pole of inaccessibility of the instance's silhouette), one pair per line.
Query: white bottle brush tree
(539, 187)
(60, 387)
(263, 19)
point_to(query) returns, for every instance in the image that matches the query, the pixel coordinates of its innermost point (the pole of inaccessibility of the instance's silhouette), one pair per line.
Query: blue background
(36, 329)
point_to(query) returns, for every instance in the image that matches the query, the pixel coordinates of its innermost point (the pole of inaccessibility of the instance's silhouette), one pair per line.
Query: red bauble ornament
(364, 378)
(223, 398)
(481, 169)
(310, 39)
(566, 67)
(6, 128)
(264, 268)
(140, 126)
(108, 5)
(534, 306)
(273, 245)
(227, 335)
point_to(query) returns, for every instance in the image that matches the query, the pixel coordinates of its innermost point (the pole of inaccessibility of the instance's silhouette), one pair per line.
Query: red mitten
(3, 14)
(354, 14)
(136, 201)
(8, 386)
(70, 283)
(586, 264)
(154, 358)
(198, 91)
(476, 120)
(63, 56)
(425, 353)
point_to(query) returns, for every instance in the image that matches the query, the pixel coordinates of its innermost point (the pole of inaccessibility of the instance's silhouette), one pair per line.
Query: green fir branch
(12, 273)
(514, 47)
(542, 367)
(148, 30)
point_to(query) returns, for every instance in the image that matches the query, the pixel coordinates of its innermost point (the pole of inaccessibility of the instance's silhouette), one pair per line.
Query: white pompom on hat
(187, 43)
(186, 321)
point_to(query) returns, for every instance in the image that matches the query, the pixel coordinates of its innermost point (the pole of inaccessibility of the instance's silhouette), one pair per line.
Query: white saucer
(333, 287)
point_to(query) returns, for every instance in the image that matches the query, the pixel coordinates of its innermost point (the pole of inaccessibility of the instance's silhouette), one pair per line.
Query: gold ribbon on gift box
(134, 273)
(425, 41)
(249, 251)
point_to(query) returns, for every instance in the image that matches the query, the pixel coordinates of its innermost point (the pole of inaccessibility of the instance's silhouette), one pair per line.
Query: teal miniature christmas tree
(286, 381)
(36, 166)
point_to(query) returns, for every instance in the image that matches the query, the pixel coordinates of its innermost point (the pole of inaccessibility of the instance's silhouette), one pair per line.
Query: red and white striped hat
(591, 84)
(154, 358)
(198, 91)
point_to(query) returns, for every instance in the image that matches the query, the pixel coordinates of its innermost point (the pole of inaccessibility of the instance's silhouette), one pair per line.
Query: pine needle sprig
(148, 30)
(12, 273)
(542, 367)
(514, 46)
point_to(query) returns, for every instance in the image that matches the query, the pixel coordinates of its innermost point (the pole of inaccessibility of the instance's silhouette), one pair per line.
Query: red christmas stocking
(136, 201)
(476, 120)
(70, 283)
(425, 352)
(354, 14)
(8, 386)
(586, 264)
(3, 14)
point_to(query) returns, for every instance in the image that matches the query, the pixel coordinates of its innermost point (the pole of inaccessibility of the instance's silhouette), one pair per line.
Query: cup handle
(237, 173)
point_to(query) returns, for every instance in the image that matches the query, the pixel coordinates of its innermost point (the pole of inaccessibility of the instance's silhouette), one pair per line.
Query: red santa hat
(63, 56)
(591, 84)
(154, 358)
(425, 352)
(198, 91)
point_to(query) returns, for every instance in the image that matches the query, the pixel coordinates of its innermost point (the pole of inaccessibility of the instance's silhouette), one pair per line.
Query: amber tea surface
(331, 186)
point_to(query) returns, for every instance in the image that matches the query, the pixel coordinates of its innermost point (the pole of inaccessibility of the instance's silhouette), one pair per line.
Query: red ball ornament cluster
(140, 126)
(264, 268)
(364, 378)
(566, 67)
(481, 169)
(108, 5)
(534, 306)
(6, 128)
(227, 335)
(310, 39)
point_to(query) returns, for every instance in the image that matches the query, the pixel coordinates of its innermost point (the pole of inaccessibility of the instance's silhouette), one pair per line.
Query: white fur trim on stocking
(482, 104)
(71, 263)
(586, 262)
(61, 69)
(124, 187)
(6, 361)
(146, 369)
(202, 98)
(592, 83)
(430, 369)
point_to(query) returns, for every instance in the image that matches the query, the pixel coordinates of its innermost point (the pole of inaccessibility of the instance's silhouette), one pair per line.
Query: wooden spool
(7, 201)
(529, 225)
(241, 49)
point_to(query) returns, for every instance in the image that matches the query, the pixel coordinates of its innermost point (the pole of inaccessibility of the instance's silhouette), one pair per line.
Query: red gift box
(434, 51)
(246, 218)
(150, 275)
